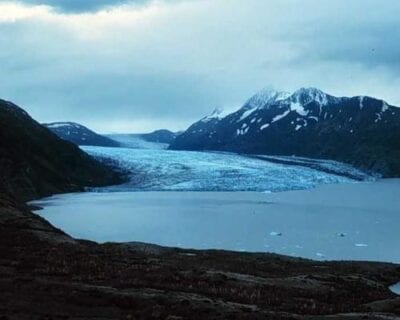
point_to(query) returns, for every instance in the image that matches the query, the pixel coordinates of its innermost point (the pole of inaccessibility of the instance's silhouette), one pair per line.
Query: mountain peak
(54, 125)
(79, 134)
(265, 97)
(306, 95)
(218, 114)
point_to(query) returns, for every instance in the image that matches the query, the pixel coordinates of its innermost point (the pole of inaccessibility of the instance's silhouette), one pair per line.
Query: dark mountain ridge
(158, 139)
(80, 135)
(161, 136)
(362, 131)
(34, 162)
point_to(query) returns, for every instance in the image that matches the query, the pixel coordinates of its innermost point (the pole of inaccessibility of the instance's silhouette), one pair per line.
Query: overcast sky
(134, 66)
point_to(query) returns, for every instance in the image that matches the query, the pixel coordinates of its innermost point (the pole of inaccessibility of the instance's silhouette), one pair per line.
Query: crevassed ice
(159, 170)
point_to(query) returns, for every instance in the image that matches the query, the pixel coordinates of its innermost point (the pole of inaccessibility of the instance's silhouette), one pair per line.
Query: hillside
(362, 131)
(158, 139)
(34, 162)
(80, 135)
(160, 136)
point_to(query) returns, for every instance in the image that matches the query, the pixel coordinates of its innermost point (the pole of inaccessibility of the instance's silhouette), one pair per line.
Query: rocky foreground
(45, 274)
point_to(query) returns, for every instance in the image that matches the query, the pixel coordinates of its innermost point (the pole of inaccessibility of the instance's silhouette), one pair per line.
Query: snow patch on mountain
(63, 125)
(280, 116)
(361, 102)
(299, 108)
(385, 106)
(246, 114)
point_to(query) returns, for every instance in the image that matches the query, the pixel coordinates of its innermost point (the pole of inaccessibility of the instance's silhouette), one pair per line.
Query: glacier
(167, 170)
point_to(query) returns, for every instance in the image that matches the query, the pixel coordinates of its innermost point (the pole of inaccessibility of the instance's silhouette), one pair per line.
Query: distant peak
(265, 97)
(309, 90)
(55, 125)
(218, 113)
(306, 95)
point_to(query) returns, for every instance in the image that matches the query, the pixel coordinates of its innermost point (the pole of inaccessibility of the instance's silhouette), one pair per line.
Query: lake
(352, 221)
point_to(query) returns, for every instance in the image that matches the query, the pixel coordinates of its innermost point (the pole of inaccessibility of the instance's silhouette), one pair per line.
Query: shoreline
(45, 272)
(316, 219)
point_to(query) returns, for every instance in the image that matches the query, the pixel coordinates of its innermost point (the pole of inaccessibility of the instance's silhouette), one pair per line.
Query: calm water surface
(359, 221)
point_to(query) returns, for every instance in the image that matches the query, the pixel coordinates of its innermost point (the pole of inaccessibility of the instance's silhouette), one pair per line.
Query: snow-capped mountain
(264, 98)
(360, 130)
(79, 134)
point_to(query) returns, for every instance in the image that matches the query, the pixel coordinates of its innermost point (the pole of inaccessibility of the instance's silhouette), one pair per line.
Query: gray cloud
(136, 68)
(74, 6)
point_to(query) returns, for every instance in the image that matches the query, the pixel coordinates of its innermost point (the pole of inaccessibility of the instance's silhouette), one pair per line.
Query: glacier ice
(163, 170)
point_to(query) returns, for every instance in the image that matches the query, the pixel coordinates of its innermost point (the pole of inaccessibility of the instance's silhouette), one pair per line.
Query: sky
(136, 66)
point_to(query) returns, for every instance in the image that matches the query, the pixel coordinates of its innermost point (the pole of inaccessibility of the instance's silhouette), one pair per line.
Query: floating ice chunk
(275, 234)
(361, 245)
(341, 234)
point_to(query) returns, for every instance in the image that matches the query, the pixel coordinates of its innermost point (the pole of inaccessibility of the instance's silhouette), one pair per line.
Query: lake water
(395, 288)
(353, 221)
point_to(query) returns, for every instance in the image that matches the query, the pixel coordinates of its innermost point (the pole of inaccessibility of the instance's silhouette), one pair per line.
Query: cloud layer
(77, 6)
(141, 65)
